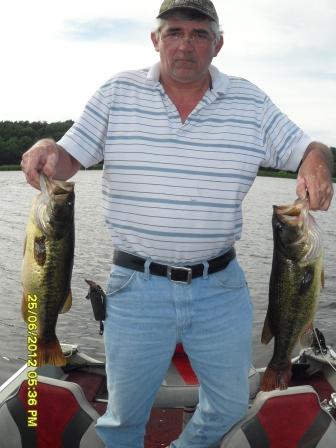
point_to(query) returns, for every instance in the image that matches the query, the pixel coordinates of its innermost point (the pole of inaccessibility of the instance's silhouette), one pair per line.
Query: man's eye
(201, 35)
(173, 34)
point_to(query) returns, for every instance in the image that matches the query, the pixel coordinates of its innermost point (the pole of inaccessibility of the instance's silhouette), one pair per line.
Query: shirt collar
(220, 81)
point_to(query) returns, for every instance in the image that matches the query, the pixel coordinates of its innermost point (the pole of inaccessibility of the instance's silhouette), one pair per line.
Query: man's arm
(315, 176)
(48, 158)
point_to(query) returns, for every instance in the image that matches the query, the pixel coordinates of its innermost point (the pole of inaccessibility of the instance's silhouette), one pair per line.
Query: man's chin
(185, 75)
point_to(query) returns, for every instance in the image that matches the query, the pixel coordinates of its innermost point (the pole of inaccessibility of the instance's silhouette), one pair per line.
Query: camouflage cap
(204, 6)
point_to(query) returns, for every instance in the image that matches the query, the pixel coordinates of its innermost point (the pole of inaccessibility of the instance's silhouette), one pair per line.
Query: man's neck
(183, 92)
(186, 96)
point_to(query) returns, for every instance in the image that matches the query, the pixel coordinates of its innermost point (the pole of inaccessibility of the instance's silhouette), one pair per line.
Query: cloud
(57, 58)
(104, 29)
(263, 29)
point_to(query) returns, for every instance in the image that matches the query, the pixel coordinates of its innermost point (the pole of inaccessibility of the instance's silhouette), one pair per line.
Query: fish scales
(47, 264)
(294, 288)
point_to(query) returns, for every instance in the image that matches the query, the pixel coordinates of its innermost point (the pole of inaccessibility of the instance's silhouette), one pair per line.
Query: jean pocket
(119, 279)
(231, 277)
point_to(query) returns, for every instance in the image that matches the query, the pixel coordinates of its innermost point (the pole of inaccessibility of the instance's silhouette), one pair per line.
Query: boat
(54, 407)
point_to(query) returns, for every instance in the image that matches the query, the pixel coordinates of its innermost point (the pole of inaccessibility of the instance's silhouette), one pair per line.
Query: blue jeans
(147, 316)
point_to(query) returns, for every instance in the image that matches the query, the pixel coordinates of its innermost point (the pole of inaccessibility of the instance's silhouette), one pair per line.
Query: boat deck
(167, 417)
(165, 424)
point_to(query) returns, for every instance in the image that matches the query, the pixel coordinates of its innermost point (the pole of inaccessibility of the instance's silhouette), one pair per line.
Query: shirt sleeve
(85, 140)
(284, 142)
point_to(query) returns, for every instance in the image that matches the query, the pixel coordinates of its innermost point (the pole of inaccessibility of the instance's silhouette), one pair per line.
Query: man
(181, 144)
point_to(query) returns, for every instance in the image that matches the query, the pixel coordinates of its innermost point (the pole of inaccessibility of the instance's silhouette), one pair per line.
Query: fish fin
(276, 378)
(44, 184)
(267, 333)
(25, 245)
(67, 304)
(50, 353)
(306, 338)
(24, 307)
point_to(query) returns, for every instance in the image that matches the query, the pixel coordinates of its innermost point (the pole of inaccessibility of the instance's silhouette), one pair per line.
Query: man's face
(186, 49)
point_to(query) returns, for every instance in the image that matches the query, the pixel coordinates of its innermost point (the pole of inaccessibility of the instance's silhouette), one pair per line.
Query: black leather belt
(180, 274)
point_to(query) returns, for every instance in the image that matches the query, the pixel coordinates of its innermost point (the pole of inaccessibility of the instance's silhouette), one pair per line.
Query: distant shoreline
(10, 168)
(18, 167)
(261, 172)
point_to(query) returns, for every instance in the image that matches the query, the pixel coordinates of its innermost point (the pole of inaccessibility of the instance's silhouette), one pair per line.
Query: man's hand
(50, 159)
(314, 178)
(42, 157)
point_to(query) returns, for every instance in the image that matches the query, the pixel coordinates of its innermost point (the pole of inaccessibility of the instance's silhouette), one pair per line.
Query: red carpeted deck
(163, 427)
(166, 424)
(319, 383)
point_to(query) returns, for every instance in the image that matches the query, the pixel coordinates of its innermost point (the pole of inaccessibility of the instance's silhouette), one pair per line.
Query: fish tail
(50, 352)
(274, 378)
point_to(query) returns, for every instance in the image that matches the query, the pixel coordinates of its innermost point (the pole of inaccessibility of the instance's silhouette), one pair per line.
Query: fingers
(32, 178)
(31, 167)
(314, 176)
(40, 158)
(49, 168)
(320, 193)
(301, 189)
(318, 189)
(325, 197)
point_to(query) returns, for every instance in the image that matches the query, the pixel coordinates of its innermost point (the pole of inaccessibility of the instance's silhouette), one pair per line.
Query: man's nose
(186, 42)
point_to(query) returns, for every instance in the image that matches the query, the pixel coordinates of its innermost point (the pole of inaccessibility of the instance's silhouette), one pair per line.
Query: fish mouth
(59, 187)
(55, 187)
(56, 196)
(302, 229)
(56, 190)
(292, 214)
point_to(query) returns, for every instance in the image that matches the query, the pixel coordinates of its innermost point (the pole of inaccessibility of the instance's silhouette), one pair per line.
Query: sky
(54, 55)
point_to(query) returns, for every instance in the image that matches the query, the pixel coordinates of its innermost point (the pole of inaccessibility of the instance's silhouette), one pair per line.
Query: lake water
(93, 255)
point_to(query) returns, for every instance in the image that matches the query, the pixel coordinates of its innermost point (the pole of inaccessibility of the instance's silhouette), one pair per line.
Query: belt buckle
(180, 268)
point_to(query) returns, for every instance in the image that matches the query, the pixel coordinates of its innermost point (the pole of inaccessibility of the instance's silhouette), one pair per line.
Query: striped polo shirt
(173, 190)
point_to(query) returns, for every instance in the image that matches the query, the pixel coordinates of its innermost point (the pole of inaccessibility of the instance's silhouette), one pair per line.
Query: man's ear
(155, 40)
(219, 45)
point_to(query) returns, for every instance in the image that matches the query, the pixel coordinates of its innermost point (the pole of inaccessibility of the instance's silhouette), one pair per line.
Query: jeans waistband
(179, 274)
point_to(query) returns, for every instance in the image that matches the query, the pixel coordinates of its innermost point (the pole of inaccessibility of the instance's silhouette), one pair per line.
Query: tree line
(18, 136)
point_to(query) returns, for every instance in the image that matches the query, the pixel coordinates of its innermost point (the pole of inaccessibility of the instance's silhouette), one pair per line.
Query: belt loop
(146, 268)
(205, 269)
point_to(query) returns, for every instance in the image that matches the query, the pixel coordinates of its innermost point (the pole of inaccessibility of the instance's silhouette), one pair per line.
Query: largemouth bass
(295, 284)
(47, 266)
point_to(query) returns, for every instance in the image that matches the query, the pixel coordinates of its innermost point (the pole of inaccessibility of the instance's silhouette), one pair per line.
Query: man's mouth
(184, 61)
